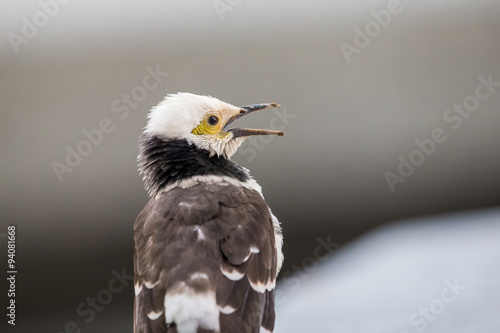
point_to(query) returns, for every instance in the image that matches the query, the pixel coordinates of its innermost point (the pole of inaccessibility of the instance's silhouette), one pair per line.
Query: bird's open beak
(238, 132)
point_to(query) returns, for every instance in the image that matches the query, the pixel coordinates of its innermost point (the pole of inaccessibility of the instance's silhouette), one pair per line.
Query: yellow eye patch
(210, 125)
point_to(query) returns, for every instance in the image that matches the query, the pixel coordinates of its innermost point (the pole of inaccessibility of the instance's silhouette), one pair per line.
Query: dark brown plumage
(187, 238)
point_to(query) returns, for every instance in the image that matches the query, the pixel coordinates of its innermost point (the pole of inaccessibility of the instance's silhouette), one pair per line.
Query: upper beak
(237, 132)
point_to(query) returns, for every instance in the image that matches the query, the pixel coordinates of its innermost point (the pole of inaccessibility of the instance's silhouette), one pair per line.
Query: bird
(207, 248)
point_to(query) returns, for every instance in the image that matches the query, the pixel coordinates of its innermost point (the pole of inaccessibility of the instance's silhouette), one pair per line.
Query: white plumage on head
(179, 114)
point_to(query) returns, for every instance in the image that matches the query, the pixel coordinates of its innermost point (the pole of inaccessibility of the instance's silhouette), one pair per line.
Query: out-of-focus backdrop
(390, 108)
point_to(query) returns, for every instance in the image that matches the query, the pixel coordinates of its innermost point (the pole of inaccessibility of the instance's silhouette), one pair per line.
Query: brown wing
(201, 243)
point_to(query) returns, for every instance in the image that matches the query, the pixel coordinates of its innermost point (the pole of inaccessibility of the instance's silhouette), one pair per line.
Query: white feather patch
(199, 233)
(264, 330)
(190, 310)
(198, 275)
(253, 249)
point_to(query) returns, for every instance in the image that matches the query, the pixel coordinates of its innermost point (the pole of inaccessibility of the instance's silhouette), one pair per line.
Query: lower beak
(239, 132)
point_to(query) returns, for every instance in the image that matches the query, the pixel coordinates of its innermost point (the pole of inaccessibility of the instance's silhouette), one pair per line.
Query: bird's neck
(164, 162)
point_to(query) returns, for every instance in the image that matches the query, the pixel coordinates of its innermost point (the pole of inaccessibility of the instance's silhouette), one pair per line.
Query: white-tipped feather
(137, 288)
(155, 315)
(228, 309)
(232, 275)
(151, 285)
(261, 287)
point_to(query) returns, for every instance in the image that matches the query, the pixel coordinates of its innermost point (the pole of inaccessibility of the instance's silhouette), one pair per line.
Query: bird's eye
(212, 120)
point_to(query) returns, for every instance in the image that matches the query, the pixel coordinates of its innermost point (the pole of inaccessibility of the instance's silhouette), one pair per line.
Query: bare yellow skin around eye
(204, 128)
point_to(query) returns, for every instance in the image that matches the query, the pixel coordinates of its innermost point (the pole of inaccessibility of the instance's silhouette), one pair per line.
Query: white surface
(381, 281)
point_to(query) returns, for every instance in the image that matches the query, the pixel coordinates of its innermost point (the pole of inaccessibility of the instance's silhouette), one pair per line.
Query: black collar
(166, 161)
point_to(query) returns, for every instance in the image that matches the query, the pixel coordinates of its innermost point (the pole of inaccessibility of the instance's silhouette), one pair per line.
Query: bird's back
(205, 261)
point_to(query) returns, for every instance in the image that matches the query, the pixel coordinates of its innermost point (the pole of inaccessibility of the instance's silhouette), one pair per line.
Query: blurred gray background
(67, 67)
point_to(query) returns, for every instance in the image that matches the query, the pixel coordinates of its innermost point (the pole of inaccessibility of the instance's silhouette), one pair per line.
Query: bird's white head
(202, 121)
